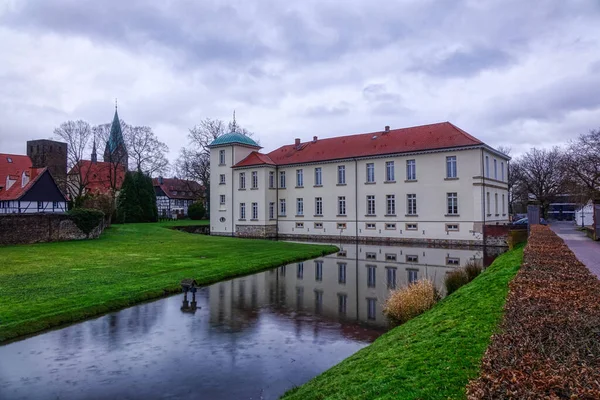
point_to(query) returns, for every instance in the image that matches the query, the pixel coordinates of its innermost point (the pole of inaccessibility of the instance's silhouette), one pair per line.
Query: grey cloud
(322, 111)
(466, 63)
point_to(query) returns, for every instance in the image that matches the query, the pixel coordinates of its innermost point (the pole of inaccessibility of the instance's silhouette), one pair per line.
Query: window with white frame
(318, 225)
(411, 170)
(370, 204)
(454, 261)
(495, 169)
(487, 166)
(299, 224)
(221, 157)
(370, 173)
(300, 206)
(503, 206)
(371, 309)
(342, 272)
(254, 210)
(412, 258)
(390, 257)
(341, 225)
(370, 255)
(370, 225)
(282, 179)
(452, 227)
(342, 303)
(242, 180)
(271, 179)
(411, 204)
(282, 207)
(271, 210)
(390, 226)
(318, 206)
(371, 275)
(318, 271)
(390, 201)
(222, 179)
(242, 210)
(411, 227)
(299, 178)
(452, 203)
(254, 179)
(391, 277)
(222, 199)
(496, 203)
(390, 174)
(451, 171)
(342, 205)
(341, 174)
(413, 275)
(318, 176)
(502, 170)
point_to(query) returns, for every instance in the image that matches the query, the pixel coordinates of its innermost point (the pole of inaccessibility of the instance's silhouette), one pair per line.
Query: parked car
(524, 222)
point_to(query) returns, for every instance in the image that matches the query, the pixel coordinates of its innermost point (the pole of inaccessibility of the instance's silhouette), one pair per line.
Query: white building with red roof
(429, 183)
(24, 189)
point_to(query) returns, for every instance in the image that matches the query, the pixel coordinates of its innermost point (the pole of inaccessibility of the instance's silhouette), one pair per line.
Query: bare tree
(582, 160)
(77, 135)
(146, 151)
(542, 174)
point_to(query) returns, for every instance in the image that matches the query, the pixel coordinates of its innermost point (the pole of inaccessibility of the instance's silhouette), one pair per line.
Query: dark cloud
(466, 63)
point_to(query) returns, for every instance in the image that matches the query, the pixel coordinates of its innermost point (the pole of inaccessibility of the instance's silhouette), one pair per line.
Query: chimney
(297, 142)
(387, 128)
(314, 139)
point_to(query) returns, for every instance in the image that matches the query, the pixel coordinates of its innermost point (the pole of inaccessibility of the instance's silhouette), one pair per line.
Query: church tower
(115, 150)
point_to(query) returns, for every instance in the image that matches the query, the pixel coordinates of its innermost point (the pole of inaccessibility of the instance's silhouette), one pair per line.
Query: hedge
(86, 219)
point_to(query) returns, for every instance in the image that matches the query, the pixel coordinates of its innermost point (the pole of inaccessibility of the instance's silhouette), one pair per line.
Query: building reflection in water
(348, 286)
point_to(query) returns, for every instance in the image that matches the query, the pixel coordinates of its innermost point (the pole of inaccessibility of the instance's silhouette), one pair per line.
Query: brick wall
(496, 235)
(256, 231)
(39, 228)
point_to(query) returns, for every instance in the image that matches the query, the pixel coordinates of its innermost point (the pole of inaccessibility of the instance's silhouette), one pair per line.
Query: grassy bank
(48, 284)
(430, 357)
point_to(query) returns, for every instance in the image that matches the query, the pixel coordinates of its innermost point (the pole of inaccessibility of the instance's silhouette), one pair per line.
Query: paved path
(585, 249)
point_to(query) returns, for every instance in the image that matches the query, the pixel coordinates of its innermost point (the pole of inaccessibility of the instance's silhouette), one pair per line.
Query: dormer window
(9, 160)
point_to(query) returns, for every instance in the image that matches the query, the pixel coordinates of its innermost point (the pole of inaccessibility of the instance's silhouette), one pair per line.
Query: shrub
(196, 210)
(406, 303)
(86, 219)
(472, 270)
(455, 279)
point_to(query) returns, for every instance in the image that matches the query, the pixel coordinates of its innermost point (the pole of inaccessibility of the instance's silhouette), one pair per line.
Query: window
(341, 225)
(389, 171)
(488, 204)
(318, 225)
(370, 204)
(271, 179)
(299, 178)
(371, 308)
(254, 179)
(411, 170)
(222, 179)
(242, 210)
(452, 227)
(40, 205)
(454, 261)
(242, 180)
(390, 200)
(221, 157)
(390, 226)
(318, 302)
(341, 174)
(299, 298)
(342, 205)
(341, 272)
(370, 173)
(412, 258)
(452, 203)
(342, 253)
(451, 167)
(299, 224)
(496, 203)
(282, 208)
(413, 275)
(300, 206)
(254, 210)
(390, 257)
(370, 225)
(503, 206)
(411, 204)
(411, 227)
(495, 169)
(391, 277)
(487, 166)
(342, 303)
(222, 199)
(282, 179)
(318, 206)
(318, 271)
(318, 176)
(300, 271)
(502, 170)
(271, 210)
(371, 256)
(371, 276)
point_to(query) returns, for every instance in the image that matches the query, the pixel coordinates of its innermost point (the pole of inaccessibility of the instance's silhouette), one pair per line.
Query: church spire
(115, 150)
(94, 153)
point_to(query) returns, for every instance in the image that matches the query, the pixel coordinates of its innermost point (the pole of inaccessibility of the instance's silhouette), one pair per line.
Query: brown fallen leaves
(548, 345)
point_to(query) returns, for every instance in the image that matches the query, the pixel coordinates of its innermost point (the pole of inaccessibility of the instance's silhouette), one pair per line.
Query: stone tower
(115, 150)
(50, 154)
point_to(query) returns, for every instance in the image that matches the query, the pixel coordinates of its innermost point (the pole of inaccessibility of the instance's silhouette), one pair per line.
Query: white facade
(438, 195)
(28, 207)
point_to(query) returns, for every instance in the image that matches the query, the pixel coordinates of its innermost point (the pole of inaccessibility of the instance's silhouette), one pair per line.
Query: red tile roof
(176, 188)
(97, 176)
(418, 138)
(13, 166)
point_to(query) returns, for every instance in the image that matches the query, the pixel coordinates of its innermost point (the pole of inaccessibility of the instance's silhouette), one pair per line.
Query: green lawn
(430, 357)
(48, 284)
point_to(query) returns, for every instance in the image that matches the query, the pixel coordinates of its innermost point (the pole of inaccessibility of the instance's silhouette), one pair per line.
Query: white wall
(29, 207)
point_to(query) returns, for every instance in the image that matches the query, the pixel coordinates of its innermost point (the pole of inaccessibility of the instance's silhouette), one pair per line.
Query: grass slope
(48, 284)
(430, 357)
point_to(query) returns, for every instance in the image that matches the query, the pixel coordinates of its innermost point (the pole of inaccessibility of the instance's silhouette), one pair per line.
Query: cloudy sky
(511, 72)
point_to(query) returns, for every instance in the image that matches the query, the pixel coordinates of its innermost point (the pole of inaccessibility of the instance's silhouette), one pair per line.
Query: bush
(86, 219)
(472, 270)
(196, 210)
(455, 279)
(406, 303)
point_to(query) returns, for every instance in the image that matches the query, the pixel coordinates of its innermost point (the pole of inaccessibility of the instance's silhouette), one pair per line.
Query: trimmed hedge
(86, 219)
(549, 340)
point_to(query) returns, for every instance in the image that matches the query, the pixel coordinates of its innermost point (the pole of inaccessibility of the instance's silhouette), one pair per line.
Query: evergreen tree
(137, 201)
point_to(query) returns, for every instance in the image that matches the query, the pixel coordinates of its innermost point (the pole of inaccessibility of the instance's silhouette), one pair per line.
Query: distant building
(51, 154)
(563, 208)
(27, 189)
(174, 196)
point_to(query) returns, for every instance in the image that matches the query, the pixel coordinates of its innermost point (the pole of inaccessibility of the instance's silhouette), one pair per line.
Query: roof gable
(255, 158)
(175, 188)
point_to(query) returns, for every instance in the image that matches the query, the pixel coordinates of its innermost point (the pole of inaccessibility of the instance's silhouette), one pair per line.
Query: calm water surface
(249, 338)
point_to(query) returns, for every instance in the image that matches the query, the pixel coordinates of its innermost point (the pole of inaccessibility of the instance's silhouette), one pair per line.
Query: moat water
(253, 337)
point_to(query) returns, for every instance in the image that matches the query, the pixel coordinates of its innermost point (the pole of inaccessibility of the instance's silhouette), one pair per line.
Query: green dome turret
(233, 138)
